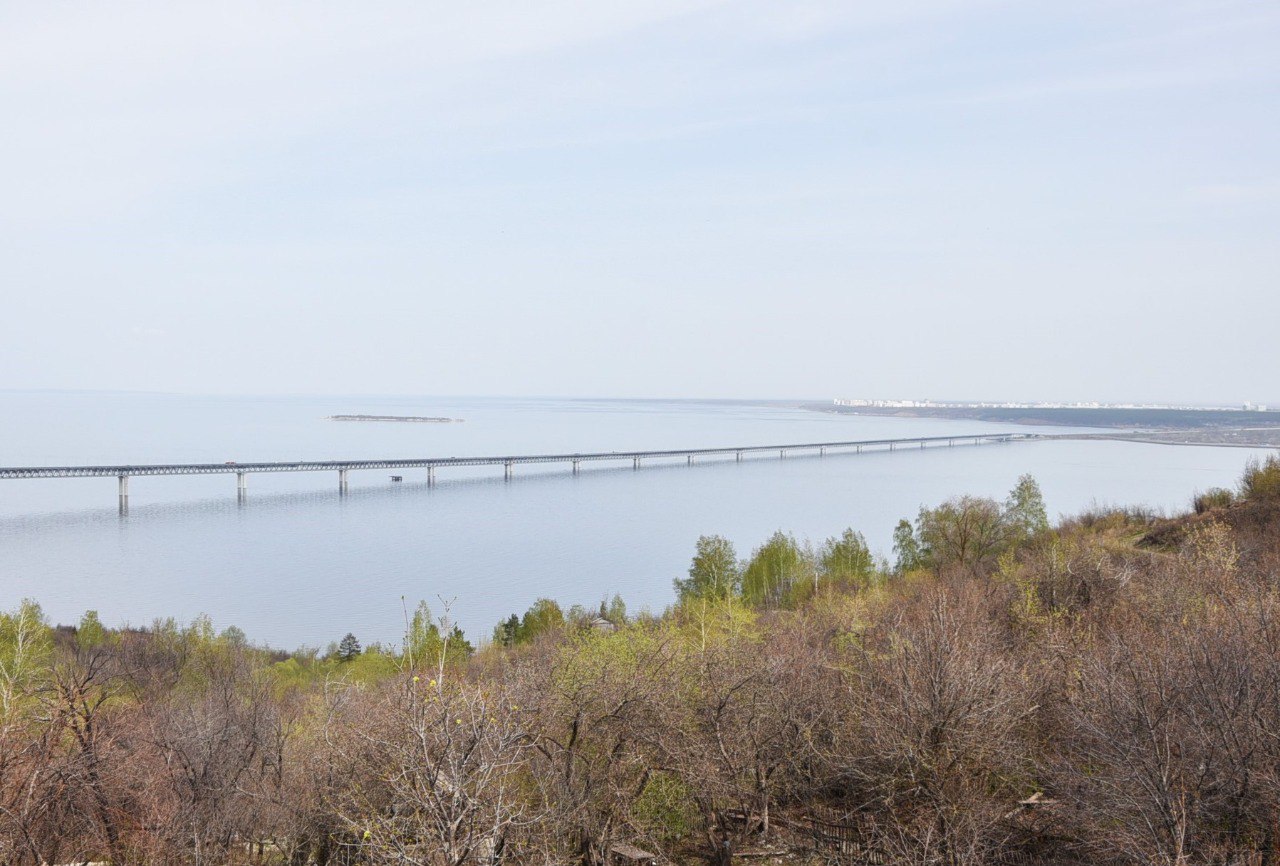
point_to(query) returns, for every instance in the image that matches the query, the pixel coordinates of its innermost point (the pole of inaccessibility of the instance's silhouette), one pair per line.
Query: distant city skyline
(675, 199)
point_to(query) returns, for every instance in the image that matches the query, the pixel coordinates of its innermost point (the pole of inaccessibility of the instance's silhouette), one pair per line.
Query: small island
(417, 419)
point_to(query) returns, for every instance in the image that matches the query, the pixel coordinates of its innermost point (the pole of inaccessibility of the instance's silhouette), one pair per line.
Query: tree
(25, 645)
(905, 547)
(90, 633)
(966, 531)
(348, 648)
(1024, 510)
(617, 612)
(422, 642)
(714, 572)
(440, 774)
(507, 632)
(774, 569)
(846, 559)
(542, 617)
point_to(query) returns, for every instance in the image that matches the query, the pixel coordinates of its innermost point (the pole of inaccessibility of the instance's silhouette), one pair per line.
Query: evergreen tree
(507, 632)
(348, 648)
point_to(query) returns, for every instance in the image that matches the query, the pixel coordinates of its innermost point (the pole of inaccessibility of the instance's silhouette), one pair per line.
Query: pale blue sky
(1071, 200)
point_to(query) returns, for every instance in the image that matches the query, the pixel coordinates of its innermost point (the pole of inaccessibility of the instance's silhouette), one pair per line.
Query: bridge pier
(822, 452)
(342, 481)
(635, 463)
(508, 470)
(891, 446)
(575, 467)
(739, 457)
(431, 476)
(859, 450)
(689, 461)
(242, 487)
(124, 493)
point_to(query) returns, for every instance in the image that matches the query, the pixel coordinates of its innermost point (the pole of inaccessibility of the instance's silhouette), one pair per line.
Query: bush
(1213, 499)
(665, 809)
(1261, 479)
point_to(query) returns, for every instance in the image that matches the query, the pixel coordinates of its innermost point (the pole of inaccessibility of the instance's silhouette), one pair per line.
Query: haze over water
(298, 564)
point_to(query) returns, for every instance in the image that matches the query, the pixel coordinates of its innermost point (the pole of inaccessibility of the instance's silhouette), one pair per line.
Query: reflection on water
(295, 562)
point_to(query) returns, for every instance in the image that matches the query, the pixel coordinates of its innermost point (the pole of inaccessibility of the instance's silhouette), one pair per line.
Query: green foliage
(966, 531)
(1261, 480)
(847, 560)
(348, 648)
(704, 622)
(371, 666)
(422, 642)
(1024, 510)
(507, 632)
(90, 632)
(665, 808)
(714, 572)
(456, 646)
(906, 549)
(543, 617)
(1213, 499)
(774, 569)
(616, 612)
(26, 644)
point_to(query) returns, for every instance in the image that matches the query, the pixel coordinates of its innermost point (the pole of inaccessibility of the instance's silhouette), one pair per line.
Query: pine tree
(348, 648)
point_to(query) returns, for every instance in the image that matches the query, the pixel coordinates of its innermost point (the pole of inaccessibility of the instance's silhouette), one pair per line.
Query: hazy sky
(1070, 200)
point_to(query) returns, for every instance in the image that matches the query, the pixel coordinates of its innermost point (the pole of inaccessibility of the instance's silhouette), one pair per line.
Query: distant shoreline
(1162, 419)
(408, 419)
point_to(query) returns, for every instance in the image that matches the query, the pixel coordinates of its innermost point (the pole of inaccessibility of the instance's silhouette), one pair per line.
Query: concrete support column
(822, 452)
(891, 446)
(859, 450)
(508, 470)
(782, 455)
(921, 446)
(739, 457)
(690, 460)
(431, 476)
(575, 467)
(342, 480)
(635, 463)
(951, 443)
(241, 482)
(124, 494)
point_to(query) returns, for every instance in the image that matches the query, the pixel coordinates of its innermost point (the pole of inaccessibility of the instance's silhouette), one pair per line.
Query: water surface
(298, 564)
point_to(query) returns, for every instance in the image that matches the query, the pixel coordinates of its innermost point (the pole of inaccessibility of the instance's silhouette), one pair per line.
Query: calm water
(298, 564)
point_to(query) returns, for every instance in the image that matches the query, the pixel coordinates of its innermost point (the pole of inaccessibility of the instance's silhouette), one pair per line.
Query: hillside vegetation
(1103, 691)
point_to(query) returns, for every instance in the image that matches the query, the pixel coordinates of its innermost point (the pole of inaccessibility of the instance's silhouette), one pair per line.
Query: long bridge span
(508, 462)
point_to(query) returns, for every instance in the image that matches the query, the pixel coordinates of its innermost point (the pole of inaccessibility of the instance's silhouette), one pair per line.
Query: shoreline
(402, 419)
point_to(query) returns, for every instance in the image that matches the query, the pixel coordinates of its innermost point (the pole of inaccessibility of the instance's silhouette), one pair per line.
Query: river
(297, 564)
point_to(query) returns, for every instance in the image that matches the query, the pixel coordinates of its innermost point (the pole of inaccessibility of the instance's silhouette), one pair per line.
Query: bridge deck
(122, 471)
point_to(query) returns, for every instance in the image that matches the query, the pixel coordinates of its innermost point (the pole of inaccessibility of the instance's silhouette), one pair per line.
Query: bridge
(509, 462)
